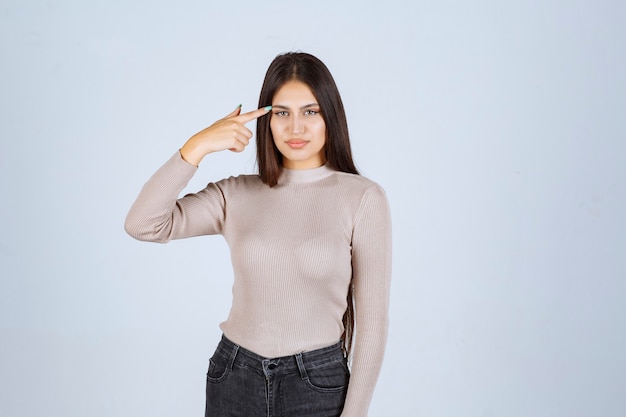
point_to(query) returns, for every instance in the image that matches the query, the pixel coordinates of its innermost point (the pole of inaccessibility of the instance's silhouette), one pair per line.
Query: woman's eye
(311, 112)
(281, 113)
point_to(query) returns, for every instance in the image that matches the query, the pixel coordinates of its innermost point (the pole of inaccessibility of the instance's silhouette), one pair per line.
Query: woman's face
(297, 126)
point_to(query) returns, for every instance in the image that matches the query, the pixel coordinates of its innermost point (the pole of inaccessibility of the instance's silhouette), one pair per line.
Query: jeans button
(272, 366)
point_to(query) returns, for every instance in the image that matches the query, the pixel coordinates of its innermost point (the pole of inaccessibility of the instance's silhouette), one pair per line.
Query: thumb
(234, 112)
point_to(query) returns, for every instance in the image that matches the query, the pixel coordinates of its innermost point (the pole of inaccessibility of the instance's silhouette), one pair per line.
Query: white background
(497, 129)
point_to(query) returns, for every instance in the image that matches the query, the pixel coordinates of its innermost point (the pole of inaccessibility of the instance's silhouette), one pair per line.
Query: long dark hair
(309, 70)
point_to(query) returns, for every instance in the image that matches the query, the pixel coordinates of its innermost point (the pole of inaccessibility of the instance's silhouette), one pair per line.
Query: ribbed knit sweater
(295, 248)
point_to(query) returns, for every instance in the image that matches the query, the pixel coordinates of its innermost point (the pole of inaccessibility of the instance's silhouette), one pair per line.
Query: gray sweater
(294, 249)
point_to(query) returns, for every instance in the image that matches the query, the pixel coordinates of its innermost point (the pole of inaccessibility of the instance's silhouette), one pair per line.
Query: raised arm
(158, 215)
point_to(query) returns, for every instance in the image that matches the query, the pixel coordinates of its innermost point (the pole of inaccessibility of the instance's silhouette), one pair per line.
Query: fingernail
(267, 108)
(239, 106)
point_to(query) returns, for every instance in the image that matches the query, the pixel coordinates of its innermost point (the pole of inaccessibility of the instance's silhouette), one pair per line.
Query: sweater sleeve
(371, 266)
(158, 215)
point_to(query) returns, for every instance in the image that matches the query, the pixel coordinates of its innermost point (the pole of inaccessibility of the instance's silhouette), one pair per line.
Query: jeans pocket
(328, 377)
(218, 369)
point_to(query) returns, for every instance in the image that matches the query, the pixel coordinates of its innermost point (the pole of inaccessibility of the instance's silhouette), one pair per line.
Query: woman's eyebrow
(283, 107)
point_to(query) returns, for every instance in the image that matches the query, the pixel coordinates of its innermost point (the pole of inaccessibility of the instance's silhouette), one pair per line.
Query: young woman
(310, 243)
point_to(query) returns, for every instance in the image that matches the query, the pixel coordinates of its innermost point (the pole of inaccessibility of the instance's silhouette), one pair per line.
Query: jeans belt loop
(233, 355)
(301, 367)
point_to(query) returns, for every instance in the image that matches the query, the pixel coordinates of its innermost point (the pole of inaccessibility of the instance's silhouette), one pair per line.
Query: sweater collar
(304, 175)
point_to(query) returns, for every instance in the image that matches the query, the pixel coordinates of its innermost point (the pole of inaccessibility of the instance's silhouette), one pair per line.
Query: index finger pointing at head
(254, 114)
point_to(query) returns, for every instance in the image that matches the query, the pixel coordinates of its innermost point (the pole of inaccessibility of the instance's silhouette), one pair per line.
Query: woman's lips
(296, 143)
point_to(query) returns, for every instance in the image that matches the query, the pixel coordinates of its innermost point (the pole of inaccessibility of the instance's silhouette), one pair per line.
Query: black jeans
(241, 383)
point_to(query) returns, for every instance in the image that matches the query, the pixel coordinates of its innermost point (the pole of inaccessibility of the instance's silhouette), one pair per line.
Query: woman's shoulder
(356, 181)
(240, 181)
(360, 191)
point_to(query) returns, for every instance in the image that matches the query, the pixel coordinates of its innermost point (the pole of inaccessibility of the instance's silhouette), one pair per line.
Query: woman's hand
(227, 133)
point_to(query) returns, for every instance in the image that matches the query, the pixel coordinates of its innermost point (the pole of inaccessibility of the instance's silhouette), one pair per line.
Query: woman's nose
(296, 125)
